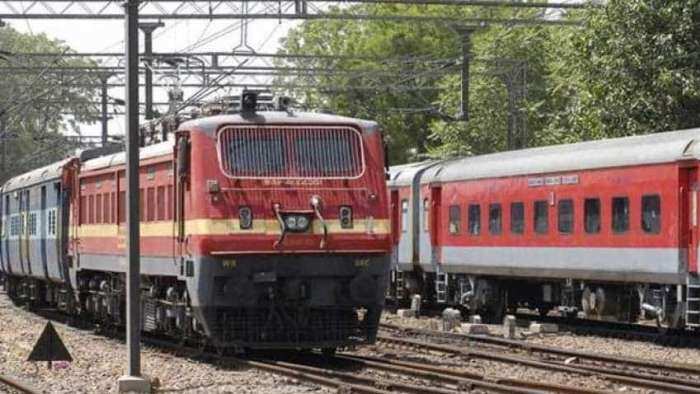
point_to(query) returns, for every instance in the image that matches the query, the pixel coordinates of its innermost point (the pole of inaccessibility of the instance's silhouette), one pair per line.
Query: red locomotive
(608, 228)
(259, 229)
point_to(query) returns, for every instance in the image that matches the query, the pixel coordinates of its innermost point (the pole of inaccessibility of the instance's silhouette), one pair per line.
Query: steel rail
(385, 384)
(531, 347)
(17, 385)
(636, 380)
(321, 376)
(509, 385)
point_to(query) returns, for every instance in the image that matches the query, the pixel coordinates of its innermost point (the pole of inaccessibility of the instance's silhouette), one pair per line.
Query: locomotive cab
(285, 236)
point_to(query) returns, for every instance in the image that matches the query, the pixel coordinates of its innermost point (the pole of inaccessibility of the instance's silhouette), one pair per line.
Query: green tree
(417, 99)
(36, 98)
(634, 68)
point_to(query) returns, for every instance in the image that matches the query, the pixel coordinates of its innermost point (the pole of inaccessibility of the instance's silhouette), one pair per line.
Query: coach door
(395, 216)
(688, 215)
(435, 220)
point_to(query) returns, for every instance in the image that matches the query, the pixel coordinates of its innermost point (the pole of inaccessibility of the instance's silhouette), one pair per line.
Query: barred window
(51, 230)
(495, 216)
(566, 216)
(541, 223)
(591, 213)
(517, 217)
(474, 217)
(651, 214)
(455, 219)
(32, 223)
(620, 214)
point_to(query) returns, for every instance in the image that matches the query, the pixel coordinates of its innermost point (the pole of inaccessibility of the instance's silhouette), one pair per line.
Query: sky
(175, 36)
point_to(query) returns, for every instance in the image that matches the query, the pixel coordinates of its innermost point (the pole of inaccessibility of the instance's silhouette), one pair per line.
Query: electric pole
(133, 381)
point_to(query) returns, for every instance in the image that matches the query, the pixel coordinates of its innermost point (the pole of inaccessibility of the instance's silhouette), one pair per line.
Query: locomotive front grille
(291, 152)
(291, 326)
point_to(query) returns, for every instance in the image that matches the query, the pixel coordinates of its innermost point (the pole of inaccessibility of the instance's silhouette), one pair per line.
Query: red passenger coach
(265, 229)
(607, 228)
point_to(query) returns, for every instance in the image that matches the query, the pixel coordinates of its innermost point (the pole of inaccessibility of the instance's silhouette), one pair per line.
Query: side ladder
(400, 287)
(441, 278)
(692, 309)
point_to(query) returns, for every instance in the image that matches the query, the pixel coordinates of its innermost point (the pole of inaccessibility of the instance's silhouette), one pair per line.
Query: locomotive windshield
(291, 152)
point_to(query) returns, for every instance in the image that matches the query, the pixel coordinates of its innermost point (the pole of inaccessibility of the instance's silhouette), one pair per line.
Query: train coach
(607, 229)
(258, 230)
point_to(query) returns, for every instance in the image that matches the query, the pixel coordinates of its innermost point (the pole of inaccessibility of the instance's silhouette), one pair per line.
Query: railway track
(12, 385)
(667, 377)
(347, 372)
(621, 330)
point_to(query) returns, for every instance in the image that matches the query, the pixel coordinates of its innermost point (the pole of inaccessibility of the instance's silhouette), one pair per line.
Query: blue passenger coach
(34, 237)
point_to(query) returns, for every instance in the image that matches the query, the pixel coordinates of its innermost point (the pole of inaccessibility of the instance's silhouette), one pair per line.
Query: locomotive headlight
(245, 215)
(302, 223)
(345, 215)
(291, 223)
(296, 223)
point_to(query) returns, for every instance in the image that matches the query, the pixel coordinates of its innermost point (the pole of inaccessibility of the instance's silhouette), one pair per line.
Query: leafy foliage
(632, 67)
(36, 99)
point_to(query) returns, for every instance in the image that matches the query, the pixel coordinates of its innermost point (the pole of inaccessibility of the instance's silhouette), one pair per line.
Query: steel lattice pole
(133, 272)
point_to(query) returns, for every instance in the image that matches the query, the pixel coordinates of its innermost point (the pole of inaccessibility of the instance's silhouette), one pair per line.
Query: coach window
(495, 219)
(404, 215)
(517, 217)
(98, 208)
(426, 215)
(160, 203)
(455, 219)
(591, 213)
(142, 205)
(91, 210)
(651, 214)
(121, 211)
(474, 219)
(106, 209)
(83, 210)
(620, 214)
(566, 216)
(541, 223)
(150, 204)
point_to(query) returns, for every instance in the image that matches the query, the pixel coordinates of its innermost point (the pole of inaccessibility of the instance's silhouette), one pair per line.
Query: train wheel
(588, 302)
(600, 300)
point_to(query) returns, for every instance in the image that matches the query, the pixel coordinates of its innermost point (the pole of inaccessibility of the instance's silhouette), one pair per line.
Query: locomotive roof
(211, 123)
(39, 175)
(618, 152)
(403, 175)
(116, 159)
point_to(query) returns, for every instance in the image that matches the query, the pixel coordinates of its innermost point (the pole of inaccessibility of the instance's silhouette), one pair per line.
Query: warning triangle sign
(50, 347)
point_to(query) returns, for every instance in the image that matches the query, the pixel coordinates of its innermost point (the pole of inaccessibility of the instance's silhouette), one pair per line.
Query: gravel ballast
(100, 361)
